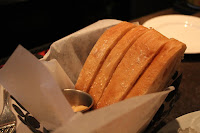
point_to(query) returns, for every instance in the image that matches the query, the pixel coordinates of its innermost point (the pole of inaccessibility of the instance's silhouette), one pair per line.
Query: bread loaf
(161, 69)
(129, 60)
(137, 58)
(98, 54)
(113, 59)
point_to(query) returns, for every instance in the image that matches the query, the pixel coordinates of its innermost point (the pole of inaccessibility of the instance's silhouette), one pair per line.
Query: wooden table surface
(189, 89)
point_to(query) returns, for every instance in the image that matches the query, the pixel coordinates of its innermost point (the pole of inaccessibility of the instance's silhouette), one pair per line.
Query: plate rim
(182, 16)
(179, 120)
(171, 15)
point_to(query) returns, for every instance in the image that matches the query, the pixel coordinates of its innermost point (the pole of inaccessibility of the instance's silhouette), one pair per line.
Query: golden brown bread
(112, 60)
(129, 60)
(99, 52)
(137, 58)
(160, 71)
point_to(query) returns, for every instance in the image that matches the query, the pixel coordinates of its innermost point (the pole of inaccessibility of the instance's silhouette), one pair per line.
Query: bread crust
(160, 70)
(129, 60)
(135, 61)
(112, 60)
(99, 52)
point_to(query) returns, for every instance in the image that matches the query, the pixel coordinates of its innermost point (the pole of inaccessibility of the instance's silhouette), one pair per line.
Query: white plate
(191, 120)
(184, 28)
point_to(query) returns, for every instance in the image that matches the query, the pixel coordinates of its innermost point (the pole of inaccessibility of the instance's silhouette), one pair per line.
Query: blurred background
(33, 23)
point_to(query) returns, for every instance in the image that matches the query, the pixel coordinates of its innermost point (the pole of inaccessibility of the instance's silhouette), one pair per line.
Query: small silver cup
(77, 97)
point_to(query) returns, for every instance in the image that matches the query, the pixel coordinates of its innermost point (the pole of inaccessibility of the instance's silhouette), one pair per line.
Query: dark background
(33, 23)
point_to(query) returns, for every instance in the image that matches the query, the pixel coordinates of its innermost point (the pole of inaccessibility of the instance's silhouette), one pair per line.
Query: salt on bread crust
(129, 60)
(99, 52)
(135, 61)
(115, 56)
(161, 70)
